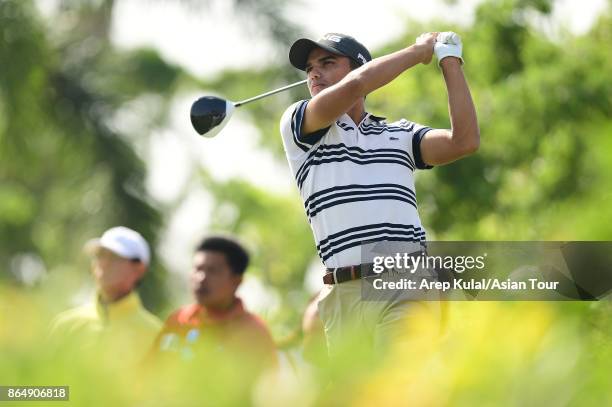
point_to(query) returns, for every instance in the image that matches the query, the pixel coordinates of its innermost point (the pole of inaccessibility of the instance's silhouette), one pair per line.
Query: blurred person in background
(116, 318)
(313, 341)
(217, 328)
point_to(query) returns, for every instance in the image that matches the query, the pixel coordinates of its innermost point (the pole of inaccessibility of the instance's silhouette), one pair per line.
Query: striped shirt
(356, 181)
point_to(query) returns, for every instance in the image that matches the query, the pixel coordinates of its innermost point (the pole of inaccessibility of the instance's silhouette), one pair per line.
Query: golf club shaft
(272, 92)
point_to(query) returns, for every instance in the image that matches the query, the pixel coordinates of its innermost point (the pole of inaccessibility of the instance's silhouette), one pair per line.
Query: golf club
(209, 113)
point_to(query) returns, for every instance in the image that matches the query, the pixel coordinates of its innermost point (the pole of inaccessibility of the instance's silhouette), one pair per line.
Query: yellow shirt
(124, 330)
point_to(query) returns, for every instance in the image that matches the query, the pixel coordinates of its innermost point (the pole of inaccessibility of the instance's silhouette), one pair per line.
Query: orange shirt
(195, 328)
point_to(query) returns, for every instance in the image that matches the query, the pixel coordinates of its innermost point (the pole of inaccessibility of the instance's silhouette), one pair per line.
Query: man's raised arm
(325, 107)
(443, 146)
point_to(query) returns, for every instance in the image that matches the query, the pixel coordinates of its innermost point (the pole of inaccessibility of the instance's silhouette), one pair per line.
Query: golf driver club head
(209, 114)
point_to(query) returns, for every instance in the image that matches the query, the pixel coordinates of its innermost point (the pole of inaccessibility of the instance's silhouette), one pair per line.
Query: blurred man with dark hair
(217, 326)
(219, 264)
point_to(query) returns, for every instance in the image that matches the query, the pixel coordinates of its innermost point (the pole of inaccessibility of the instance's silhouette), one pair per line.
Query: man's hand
(448, 44)
(425, 43)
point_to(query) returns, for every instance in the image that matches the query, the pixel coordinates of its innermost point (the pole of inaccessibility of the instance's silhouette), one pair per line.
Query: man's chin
(111, 293)
(208, 303)
(316, 90)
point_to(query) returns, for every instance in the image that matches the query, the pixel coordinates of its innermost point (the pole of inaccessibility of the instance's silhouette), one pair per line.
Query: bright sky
(213, 38)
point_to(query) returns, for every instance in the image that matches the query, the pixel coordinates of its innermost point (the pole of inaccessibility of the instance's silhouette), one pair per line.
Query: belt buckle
(354, 273)
(335, 275)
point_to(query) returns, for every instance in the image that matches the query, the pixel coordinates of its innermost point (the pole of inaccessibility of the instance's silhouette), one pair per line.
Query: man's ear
(140, 269)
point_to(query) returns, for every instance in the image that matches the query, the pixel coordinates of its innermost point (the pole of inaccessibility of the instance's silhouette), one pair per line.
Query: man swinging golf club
(355, 172)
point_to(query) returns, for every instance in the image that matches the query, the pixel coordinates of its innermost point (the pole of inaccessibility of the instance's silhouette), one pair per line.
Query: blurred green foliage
(67, 172)
(556, 354)
(69, 169)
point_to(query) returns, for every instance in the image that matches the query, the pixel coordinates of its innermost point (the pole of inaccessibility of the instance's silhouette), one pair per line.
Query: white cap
(124, 242)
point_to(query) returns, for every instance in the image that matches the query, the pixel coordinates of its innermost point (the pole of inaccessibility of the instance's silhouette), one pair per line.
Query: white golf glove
(448, 44)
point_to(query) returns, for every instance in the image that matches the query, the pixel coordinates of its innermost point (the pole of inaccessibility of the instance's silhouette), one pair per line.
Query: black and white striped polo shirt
(356, 181)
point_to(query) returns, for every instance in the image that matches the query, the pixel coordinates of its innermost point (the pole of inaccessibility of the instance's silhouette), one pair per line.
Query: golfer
(355, 172)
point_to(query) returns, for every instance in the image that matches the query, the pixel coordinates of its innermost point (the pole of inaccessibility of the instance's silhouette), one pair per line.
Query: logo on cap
(332, 37)
(361, 58)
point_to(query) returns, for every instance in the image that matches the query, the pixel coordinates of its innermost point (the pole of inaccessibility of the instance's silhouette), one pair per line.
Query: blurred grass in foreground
(521, 353)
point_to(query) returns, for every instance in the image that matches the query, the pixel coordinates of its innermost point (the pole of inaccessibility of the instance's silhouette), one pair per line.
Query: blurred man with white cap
(116, 317)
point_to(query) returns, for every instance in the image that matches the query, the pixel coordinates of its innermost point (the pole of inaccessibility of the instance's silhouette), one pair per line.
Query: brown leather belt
(342, 274)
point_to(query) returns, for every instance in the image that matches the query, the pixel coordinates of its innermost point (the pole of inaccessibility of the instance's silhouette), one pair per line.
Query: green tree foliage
(544, 108)
(69, 165)
(68, 172)
(70, 168)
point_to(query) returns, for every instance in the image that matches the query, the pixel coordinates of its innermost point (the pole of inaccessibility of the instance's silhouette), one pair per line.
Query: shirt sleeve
(294, 141)
(418, 132)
